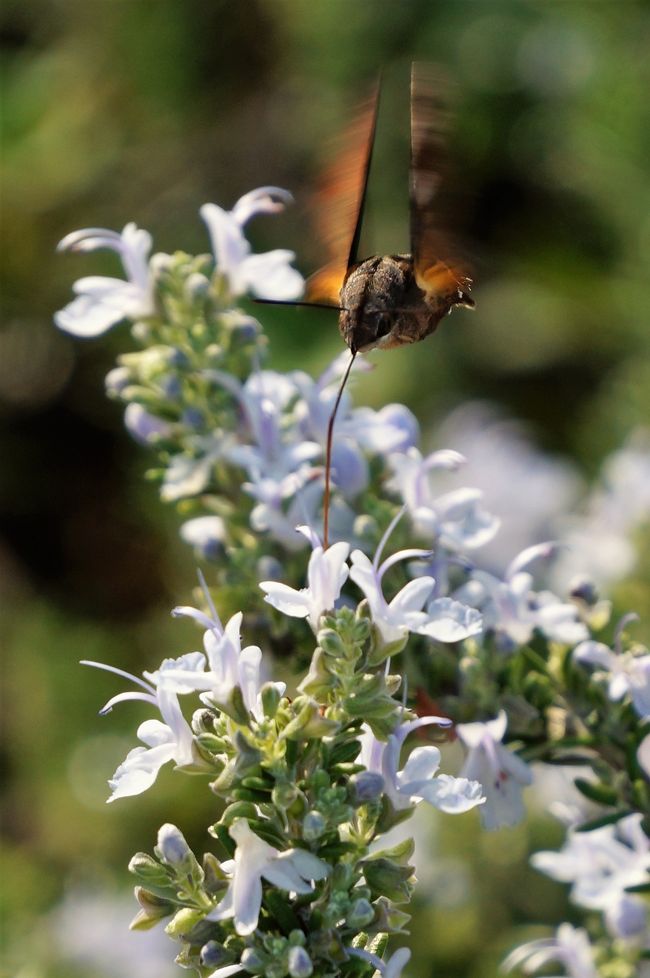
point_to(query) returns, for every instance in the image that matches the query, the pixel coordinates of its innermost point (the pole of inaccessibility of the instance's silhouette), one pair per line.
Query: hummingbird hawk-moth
(387, 301)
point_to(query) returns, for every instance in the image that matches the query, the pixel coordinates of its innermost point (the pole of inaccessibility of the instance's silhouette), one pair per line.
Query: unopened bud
(197, 286)
(584, 589)
(366, 787)
(360, 914)
(154, 906)
(271, 697)
(331, 642)
(116, 380)
(284, 794)
(213, 954)
(172, 847)
(313, 826)
(192, 418)
(184, 921)
(251, 961)
(300, 965)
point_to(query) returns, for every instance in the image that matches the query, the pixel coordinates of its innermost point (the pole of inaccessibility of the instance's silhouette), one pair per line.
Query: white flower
(570, 947)
(522, 486)
(444, 620)
(502, 773)
(326, 574)
(267, 276)
(417, 780)
(254, 860)
(168, 741)
(513, 610)
(103, 302)
(455, 520)
(229, 664)
(404, 613)
(387, 969)
(601, 865)
(624, 672)
(601, 538)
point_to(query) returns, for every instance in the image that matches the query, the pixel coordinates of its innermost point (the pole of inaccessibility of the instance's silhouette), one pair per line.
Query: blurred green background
(121, 110)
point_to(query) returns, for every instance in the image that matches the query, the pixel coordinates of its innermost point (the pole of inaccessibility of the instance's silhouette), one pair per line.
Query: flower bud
(271, 697)
(184, 921)
(145, 428)
(251, 961)
(244, 330)
(213, 954)
(365, 787)
(360, 914)
(284, 794)
(154, 906)
(117, 380)
(505, 644)
(147, 869)
(197, 286)
(268, 569)
(584, 589)
(300, 965)
(172, 847)
(192, 418)
(206, 534)
(331, 643)
(161, 264)
(313, 826)
(170, 387)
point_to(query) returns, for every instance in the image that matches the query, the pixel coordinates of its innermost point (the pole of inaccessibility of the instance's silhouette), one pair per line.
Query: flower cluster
(311, 778)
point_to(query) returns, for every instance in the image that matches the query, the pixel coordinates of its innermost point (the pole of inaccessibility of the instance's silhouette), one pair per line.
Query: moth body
(382, 305)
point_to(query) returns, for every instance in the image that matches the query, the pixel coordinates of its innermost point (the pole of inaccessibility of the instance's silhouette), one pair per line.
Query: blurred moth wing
(390, 300)
(340, 203)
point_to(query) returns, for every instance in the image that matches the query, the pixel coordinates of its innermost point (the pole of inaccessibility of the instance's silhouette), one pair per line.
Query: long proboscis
(328, 453)
(293, 302)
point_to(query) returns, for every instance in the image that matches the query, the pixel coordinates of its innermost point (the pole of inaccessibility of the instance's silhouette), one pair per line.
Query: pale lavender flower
(417, 781)
(601, 538)
(278, 451)
(456, 520)
(256, 859)
(624, 672)
(166, 741)
(570, 947)
(502, 774)
(387, 969)
(103, 302)
(282, 505)
(600, 866)
(267, 276)
(444, 620)
(229, 664)
(327, 572)
(513, 610)
(526, 489)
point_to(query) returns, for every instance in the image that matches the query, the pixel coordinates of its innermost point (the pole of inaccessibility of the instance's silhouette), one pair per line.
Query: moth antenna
(292, 302)
(328, 453)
